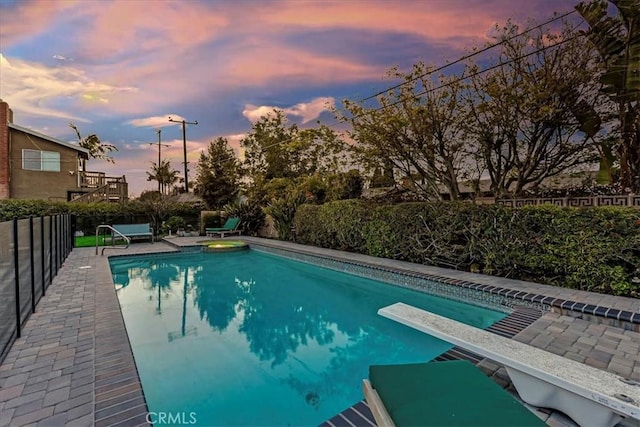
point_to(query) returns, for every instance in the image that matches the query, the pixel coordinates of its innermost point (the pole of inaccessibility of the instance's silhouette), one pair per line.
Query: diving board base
(540, 393)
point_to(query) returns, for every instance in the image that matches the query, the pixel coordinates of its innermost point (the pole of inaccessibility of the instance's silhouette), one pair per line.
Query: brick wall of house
(6, 117)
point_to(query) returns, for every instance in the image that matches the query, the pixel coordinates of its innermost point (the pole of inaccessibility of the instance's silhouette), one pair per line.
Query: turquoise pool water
(250, 338)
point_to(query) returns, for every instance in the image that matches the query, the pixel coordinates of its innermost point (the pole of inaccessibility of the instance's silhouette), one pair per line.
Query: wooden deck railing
(97, 187)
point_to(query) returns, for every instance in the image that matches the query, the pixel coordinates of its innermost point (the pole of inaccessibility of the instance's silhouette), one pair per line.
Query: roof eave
(49, 138)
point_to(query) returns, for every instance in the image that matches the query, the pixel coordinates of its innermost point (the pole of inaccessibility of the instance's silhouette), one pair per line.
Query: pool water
(249, 338)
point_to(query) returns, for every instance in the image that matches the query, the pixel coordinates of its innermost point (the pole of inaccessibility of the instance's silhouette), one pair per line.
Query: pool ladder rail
(113, 232)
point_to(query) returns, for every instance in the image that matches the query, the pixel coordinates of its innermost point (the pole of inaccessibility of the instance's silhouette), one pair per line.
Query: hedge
(593, 249)
(90, 215)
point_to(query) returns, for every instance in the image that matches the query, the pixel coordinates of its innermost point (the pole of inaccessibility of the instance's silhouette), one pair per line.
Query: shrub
(90, 215)
(593, 249)
(250, 213)
(342, 223)
(283, 211)
(210, 220)
(308, 231)
(173, 224)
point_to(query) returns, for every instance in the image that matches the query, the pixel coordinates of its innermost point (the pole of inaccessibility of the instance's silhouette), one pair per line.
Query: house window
(37, 160)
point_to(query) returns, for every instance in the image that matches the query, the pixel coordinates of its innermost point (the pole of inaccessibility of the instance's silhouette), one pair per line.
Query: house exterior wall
(6, 116)
(32, 184)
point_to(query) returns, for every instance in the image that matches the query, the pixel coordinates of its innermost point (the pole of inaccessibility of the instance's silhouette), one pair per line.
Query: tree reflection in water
(273, 326)
(157, 276)
(291, 330)
(217, 297)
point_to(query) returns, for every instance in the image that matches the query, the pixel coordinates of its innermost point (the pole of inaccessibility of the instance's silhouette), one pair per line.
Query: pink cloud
(156, 50)
(29, 17)
(306, 110)
(269, 62)
(155, 121)
(118, 27)
(443, 21)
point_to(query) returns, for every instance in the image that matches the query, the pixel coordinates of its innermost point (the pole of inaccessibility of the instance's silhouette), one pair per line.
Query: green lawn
(88, 241)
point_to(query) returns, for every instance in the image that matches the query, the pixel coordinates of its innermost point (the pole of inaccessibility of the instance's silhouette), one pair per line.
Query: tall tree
(265, 152)
(97, 149)
(617, 39)
(218, 174)
(416, 130)
(275, 150)
(523, 111)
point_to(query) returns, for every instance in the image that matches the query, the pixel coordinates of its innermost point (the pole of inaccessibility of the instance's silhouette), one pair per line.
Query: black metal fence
(31, 253)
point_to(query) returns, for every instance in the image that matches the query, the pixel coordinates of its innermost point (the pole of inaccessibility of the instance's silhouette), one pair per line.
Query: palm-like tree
(164, 174)
(617, 39)
(97, 149)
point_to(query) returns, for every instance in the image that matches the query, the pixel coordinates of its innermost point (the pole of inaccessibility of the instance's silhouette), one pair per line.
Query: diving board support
(590, 396)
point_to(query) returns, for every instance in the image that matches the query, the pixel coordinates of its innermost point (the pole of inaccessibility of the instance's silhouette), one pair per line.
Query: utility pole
(184, 146)
(159, 131)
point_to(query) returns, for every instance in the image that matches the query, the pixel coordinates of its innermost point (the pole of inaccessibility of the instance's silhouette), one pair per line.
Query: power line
(441, 86)
(465, 57)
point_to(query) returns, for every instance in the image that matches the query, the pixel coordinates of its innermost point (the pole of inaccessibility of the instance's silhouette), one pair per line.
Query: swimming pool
(250, 338)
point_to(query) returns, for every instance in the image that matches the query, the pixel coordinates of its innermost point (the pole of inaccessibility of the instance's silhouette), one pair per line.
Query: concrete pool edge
(468, 287)
(498, 293)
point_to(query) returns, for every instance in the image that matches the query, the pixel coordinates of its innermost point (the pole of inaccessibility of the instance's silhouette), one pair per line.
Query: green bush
(283, 211)
(211, 220)
(90, 215)
(15, 208)
(307, 229)
(173, 224)
(250, 213)
(593, 249)
(334, 225)
(590, 249)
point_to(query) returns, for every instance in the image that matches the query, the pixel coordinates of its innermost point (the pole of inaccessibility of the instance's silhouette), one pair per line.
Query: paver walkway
(606, 347)
(73, 364)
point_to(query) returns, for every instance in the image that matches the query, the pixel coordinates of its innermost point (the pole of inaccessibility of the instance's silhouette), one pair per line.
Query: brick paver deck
(73, 364)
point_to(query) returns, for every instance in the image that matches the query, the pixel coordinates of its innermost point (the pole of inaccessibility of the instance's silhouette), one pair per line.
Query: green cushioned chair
(452, 393)
(230, 227)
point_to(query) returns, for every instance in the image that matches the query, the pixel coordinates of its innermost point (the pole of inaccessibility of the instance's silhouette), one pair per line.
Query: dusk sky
(121, 68)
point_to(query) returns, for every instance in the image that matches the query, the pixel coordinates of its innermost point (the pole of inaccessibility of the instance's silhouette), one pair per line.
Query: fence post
(16, 269)
(50, 250)
(70, 233)
(66, 235)
(42, 251)
(63, 237)
(33, 273)
(57, 242)
(74, 227)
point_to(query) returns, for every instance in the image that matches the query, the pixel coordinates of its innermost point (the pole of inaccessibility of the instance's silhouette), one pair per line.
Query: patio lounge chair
(452, 393)
(230, 227)
(591, 396)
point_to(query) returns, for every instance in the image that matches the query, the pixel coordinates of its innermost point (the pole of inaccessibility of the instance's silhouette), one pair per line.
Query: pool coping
(505, 293)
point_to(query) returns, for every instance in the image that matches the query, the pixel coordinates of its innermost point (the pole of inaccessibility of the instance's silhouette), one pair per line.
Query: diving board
(590, 396)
